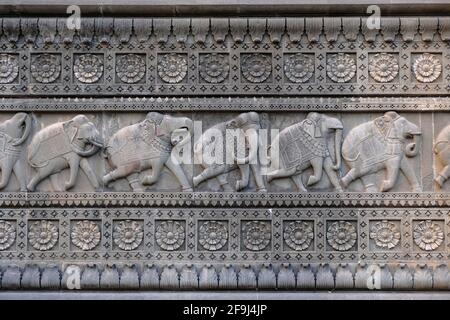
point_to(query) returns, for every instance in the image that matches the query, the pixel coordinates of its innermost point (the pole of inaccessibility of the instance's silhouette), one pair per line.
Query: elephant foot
(416, 189)
(338, 189)
(30, 187)
(106, 179)
(187, 189)
(197, 180)
(345, 181)
(261, 189)
(385, 186)
(269, 177)
(227, 188)
(440, 180)
(240, 185)
(312, 180)
(68, 185)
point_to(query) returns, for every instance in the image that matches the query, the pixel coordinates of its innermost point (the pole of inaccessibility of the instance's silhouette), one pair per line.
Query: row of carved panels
(296, 235)
(213, 69)
(317, 152)
(284, 276)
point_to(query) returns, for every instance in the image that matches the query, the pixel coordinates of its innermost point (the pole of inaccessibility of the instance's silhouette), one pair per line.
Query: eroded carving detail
(341, 235)
(256, 235)
(170, 235)
(247, 125)
(382, 144)
(385, 234)
(213, 235)
(7, 234)
(314, 142)
(46, 68)
(88, 68)
(428, 235)
(13, 134)
(299, 68)
(148, 144)
(64, 145)
(130, 68)
(256, 68)
(341, 67)
(43, 234)
(214, 67)
(383, 67)
(85, 235)
(128, 234)
(172, 67)
(299, 235)
(427, 67)
(9, 68)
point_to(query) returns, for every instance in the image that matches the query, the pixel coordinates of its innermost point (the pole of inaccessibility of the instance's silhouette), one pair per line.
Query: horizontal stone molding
(301, 277)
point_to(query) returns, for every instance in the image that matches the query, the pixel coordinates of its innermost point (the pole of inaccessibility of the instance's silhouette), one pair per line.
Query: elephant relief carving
(314, 142)
(384, 143)
(13, 134)
(246, 125)
(148, 145)
(442, 151)
(64, 145)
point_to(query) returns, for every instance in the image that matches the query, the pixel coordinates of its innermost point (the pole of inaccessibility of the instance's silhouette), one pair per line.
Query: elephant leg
(74, 165)
(90, 174)
(223, 182)
(260, 187)
(332, 174)
(409, 173)
(354, 174)
(280, 173)
(54, 180)
(120, 172)
(41, 173)
(179, 173)
(208, 173)
(20, 172)
(392, 168)
(317, 165)
(157, 166)
(369, 182)
(6, 166)
(297, 179)
(135, 182)
(442, 176)
(245, 176)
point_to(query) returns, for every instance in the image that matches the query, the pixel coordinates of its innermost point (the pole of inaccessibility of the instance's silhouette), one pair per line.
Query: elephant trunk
(413, 148)
(337, 148)
(86, 153)
(26, 131)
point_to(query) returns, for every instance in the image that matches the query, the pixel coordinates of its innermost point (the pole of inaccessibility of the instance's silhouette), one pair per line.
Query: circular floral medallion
(9, 68)
(130, 68)
(341, 235)
(299, 68)
(428, 235)
(46, 68)
(256, 68)
(7, 234)
(43, 234)
(256, 235)
(170, 235)
(213, 235)
(214, 67)
(86, 235)
(172, 67)
(383, 67)
(128, 234)
(427, 68)
(385, 234)
(341, 67)
(298, 235)
(88, 68)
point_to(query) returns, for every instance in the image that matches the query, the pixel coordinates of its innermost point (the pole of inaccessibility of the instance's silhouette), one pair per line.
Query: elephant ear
(309, 127)
(70, 130)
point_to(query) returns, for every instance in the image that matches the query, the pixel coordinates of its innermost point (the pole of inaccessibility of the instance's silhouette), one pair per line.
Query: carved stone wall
(90, 119)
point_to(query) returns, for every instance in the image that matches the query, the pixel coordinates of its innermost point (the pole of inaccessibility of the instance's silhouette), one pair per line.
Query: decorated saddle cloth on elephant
(139, 142)
(298, 145)
(49, 143)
